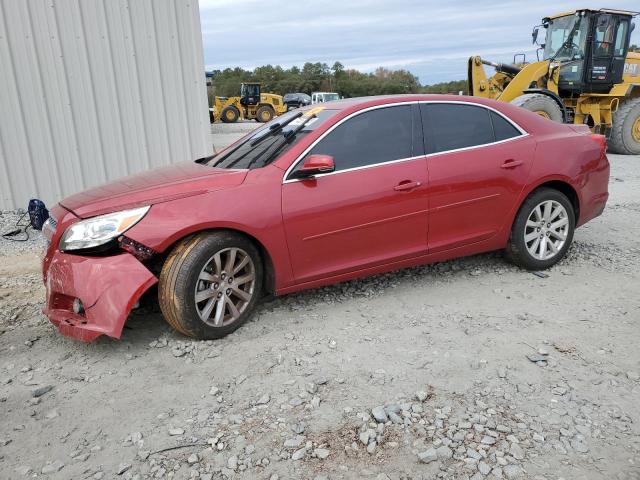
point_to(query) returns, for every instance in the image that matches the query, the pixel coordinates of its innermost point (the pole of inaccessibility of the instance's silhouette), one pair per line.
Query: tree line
(319, 77)
(313, 77)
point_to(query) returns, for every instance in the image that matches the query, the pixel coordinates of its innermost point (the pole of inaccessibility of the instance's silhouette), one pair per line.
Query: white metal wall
(91, 90)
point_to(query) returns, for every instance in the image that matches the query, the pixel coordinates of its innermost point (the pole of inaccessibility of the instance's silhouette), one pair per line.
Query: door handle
(511, 163)
(406, 185)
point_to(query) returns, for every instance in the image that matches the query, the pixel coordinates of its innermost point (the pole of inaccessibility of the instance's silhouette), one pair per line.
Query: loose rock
(428, 456)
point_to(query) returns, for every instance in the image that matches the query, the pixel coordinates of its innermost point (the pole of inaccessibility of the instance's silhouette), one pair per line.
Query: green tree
(317, 77)
(453, 87)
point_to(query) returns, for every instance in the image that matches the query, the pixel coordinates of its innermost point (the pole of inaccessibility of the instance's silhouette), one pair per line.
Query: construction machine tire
(543, 105)
(264, 114)
(230, 115)
(625, 132)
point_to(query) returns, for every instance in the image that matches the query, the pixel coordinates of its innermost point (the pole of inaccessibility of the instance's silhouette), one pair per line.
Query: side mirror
(316, 164)
(534, 35)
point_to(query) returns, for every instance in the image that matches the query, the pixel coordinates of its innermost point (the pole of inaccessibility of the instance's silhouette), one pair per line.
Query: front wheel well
(565, 189)
(269, 269)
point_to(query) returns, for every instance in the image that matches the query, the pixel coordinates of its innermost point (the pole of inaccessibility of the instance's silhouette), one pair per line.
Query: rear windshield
(247, 156)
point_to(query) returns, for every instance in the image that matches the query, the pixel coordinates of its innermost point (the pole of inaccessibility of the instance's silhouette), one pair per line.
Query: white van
(322, 97)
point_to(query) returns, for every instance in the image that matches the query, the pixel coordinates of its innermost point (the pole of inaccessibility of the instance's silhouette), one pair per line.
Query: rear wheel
(543, 230)
(625, 133)
(230, 115)
(210, 284)
(543, 105)
(264, 114)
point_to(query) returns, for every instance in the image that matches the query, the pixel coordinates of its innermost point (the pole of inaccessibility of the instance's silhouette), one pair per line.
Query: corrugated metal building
(91, 90)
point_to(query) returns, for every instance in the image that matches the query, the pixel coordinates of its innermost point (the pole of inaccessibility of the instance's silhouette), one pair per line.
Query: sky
(431, 39)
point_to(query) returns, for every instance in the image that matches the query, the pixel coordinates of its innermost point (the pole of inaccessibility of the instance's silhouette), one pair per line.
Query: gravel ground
(469, 369)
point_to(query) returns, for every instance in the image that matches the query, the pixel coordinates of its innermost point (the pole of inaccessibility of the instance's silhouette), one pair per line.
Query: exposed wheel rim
(225, 287)
(546, 230)
(635, 130)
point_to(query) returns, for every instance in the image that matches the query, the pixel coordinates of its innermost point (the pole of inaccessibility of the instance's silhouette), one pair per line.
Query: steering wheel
(571, 48)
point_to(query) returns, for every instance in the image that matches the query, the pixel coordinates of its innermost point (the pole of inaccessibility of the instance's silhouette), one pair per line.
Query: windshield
(330, 97)
(256, 149)
(566, 38)
(249, 90)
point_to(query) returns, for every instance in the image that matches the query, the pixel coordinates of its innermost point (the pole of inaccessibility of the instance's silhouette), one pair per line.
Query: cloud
(431, 39)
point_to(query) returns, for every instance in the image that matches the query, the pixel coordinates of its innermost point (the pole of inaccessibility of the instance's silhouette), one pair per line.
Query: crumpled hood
(162, 184)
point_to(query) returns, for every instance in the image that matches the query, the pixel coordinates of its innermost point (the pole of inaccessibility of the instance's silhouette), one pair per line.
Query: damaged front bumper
(107, 288)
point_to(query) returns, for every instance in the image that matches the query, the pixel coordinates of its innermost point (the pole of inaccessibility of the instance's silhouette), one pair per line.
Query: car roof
(530, 122)
(527, 120)
(364, 102)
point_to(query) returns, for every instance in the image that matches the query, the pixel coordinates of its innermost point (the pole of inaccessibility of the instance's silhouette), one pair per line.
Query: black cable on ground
(21, 229)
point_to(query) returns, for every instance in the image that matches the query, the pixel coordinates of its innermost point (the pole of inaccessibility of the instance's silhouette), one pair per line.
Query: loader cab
(249, 94)
(590, 46)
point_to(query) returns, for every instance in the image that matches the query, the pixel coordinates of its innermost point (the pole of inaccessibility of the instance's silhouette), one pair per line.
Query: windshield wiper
(287, 138)
(248, 152)
(275, 128)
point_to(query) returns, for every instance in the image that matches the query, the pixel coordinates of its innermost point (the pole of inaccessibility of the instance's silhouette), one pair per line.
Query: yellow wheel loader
(252, 104)
(587, 75)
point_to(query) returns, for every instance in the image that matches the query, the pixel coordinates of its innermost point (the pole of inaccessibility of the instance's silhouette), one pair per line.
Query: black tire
(541, 104)
(211, 117)
(625, 133)
(229, 115)
(265, 114)
(517, 251)
(179, 280)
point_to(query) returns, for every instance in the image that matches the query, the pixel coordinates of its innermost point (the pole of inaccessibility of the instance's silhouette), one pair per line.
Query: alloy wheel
(546, 230)
(225, 287)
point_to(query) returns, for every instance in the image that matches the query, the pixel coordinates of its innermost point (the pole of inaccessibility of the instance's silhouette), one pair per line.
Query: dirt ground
(469, 369)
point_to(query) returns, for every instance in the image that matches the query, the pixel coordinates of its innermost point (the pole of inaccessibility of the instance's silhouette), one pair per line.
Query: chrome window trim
(523, 133)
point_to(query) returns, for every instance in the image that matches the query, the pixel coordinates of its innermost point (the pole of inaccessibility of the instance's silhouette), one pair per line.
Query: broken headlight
(97, 231)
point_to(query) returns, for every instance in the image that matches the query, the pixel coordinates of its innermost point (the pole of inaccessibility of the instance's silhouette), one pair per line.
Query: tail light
(602, 141)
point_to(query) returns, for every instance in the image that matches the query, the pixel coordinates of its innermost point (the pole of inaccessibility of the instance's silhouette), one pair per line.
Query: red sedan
(318, 196)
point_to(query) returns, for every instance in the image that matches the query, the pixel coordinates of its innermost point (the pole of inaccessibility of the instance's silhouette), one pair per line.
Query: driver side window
(604, 36)
(373, 137)
(621, 38)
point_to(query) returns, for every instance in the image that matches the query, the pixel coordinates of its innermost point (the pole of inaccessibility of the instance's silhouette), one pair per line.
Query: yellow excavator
(587, 75)
(252, 104)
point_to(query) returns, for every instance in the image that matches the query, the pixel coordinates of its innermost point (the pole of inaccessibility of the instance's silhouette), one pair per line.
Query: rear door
(373, 209)
(478, 164)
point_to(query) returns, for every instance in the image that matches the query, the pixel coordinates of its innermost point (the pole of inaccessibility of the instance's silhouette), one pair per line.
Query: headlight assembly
(97, 231)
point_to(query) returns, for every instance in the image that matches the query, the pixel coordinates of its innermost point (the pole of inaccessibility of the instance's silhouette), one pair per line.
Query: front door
(610, 42)
(372, 209)
(478, 165)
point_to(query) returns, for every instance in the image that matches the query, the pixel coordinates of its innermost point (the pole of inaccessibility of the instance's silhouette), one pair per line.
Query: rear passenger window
(372, 137)
(502, 128)
(450, 126)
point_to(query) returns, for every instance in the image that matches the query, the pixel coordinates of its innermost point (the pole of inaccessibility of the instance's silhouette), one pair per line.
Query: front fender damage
(108, 288)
